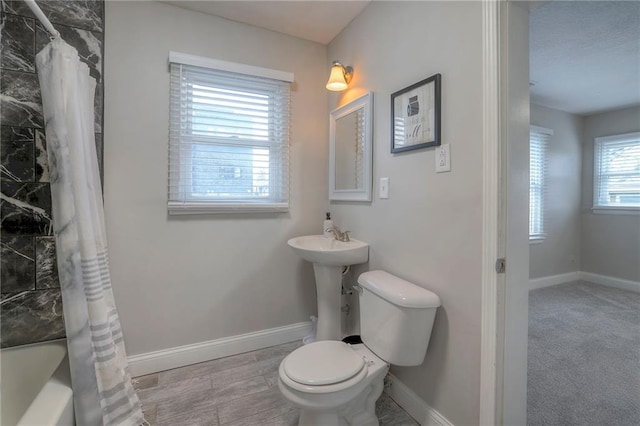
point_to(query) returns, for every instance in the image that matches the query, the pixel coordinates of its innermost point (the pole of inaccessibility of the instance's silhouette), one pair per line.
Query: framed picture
(415, 116)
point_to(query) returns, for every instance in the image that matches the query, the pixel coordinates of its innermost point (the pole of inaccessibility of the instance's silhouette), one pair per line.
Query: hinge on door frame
(501, 265)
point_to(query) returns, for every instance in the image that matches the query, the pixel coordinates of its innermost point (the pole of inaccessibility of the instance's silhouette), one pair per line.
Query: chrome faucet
(339, 235)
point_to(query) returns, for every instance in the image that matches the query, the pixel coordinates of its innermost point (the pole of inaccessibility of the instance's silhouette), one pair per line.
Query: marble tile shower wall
(30, 300)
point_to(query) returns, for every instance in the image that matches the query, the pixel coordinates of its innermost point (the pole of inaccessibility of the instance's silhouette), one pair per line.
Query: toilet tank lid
(398, 291)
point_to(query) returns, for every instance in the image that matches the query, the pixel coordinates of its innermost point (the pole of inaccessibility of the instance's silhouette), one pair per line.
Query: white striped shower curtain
(102, 388)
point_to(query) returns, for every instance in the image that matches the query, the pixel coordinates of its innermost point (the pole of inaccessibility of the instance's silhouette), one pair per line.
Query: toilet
(334, 383)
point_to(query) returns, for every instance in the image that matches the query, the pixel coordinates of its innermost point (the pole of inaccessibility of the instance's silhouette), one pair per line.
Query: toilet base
(361, 411)
(315, 418)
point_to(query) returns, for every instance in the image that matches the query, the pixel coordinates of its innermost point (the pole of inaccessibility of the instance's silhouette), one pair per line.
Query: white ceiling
(318, 21)
(585, 56)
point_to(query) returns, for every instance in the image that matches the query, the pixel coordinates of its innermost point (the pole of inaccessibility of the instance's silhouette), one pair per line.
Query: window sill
(632, 211)
(536, 240)
(178, 208)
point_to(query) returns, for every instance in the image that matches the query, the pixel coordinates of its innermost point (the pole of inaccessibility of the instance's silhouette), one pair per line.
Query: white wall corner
(553, 280)
(611, 281)
(166, 359)
(415, 406)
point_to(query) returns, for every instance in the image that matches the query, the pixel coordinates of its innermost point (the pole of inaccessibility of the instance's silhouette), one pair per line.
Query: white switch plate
(383, 191)
(443, 158)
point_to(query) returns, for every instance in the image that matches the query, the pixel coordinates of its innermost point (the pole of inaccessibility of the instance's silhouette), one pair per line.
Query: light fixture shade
(339, 78)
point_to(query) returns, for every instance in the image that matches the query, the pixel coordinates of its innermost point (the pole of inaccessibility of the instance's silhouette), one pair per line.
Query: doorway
(506, 140)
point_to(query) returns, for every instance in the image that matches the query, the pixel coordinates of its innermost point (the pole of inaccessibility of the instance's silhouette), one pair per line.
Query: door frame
(492, 341)
(504, 295)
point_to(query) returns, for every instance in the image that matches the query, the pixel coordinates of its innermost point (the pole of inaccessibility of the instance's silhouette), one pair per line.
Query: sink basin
(321, 250)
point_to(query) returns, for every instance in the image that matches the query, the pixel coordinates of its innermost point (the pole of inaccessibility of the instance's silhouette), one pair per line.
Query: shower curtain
(102, 388)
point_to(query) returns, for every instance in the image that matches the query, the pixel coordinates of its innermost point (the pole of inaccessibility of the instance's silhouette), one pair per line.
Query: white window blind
(229, 141)
(616, 183)
(538, 143)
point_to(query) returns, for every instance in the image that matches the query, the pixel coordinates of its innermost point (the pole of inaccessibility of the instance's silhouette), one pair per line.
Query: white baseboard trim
(585, 276)
(415, 406)
(165, 359)
(611, 281)
(553, 280)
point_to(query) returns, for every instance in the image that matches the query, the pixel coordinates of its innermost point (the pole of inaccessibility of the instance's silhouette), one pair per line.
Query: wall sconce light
(340, 77)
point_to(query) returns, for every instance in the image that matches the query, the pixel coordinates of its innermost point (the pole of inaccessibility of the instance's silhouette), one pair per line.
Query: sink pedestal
(329, 291)
(328, 257)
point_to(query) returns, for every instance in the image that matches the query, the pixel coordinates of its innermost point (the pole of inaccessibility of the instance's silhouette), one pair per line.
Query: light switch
(384, 187)
(443, 158)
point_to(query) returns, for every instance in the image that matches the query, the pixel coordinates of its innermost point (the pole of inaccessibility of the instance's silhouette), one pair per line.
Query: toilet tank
(396, 317)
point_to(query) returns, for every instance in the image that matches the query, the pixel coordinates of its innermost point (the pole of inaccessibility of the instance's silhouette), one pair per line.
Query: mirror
(350, 150)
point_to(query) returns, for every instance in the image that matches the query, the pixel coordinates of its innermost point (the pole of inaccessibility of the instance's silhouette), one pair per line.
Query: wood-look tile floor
(240, 390)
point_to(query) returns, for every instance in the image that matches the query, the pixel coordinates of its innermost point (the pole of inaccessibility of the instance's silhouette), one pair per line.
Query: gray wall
(429, 231)
(610, 242)
(185, 280)
(578, 239)
(31, 304)
(559, 252)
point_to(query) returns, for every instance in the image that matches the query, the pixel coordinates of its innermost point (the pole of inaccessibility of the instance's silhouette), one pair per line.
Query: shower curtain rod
(42, 18)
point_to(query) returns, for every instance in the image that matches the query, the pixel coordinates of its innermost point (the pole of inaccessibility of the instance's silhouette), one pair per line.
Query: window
(616, 172)
(538, 141)
(229, 137)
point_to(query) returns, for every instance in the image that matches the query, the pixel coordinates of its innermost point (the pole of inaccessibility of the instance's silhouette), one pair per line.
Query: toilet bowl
(341, 389)
(334, 383)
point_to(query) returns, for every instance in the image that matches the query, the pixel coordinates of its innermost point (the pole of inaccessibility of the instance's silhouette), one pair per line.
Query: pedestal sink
(329, 256)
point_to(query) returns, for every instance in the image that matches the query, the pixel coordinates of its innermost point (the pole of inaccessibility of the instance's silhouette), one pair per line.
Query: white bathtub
(35, 385)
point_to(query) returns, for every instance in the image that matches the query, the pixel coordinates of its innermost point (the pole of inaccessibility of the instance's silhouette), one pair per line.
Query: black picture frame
(415, 115)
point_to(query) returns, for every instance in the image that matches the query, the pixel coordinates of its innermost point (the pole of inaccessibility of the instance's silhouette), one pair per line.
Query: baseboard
(415, 406)
(166, 359)
(553, 280)
(585, 276)
(611, 281)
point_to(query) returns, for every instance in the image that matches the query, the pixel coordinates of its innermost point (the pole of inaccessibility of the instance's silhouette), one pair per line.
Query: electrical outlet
(443, 158)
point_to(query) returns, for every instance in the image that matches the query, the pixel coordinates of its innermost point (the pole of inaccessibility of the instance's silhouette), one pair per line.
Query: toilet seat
(323, 367)
(323, 363)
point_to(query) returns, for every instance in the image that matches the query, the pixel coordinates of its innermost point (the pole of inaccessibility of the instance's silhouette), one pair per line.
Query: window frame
(604, 208)
(182, 201)
(539, 237)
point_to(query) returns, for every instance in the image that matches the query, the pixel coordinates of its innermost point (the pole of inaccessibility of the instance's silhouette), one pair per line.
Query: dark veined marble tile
(17, 45)
(46, 263)
(41, 161)
(30, 317)
(16, 154)
(17, 134)
(98, 105)
(25, 209)
(87, 14)
(87, 43)
(17, 258)
(21, 104)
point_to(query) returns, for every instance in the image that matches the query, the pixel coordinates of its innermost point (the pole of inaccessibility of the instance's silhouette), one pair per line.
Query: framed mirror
(351, 150)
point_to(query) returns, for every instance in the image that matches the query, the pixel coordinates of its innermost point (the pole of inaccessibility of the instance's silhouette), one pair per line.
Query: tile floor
(233, 391)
